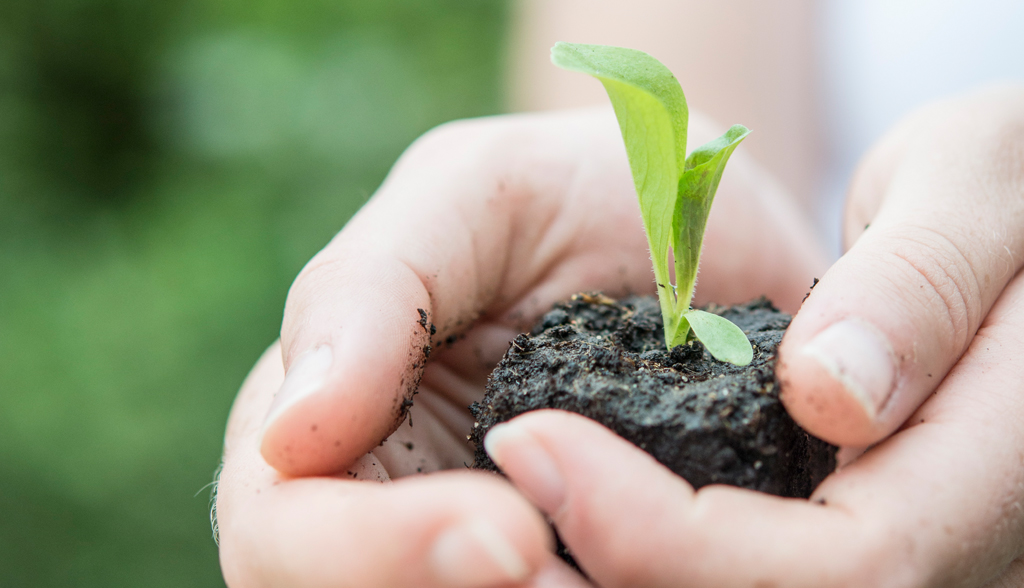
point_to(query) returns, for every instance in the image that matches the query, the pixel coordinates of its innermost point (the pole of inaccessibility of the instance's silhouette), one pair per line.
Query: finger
(942, 198)
(627, 520)
(457, 529)
(937, 504)
(630, 522)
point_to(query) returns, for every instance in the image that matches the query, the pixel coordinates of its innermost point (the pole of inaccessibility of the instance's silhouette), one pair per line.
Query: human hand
(935, 231)
(482, 225)
(938, 503)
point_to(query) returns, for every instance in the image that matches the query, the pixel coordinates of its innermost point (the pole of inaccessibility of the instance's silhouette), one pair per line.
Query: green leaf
(675, 191)
(724, 340)
(697, 186)
(720, 148)
(652, 114)
(637, 70)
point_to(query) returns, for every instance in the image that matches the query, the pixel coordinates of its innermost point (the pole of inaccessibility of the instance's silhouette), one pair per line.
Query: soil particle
(815, 283)
(410, 380)
(708, 421)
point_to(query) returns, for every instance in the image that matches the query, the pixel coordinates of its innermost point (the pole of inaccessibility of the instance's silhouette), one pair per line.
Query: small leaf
(724, 340)
(720, 147)
(696, 192)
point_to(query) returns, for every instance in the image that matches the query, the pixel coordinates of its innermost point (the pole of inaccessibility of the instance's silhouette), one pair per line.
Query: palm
(434, 437)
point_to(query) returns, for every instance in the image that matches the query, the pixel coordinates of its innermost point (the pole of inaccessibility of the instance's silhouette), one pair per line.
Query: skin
(484, 224)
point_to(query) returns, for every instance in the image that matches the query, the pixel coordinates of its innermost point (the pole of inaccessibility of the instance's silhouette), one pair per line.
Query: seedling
(675, 191)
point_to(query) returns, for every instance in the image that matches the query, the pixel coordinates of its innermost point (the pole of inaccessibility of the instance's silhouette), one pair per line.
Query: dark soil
(708, 421)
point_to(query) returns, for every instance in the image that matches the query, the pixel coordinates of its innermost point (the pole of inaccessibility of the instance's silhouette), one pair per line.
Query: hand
(482, 225)
(935, 231)
(931, 287)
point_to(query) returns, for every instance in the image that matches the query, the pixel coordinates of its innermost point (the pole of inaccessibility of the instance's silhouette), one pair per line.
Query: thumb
(488, 222)
(936, 220)
(361, 315)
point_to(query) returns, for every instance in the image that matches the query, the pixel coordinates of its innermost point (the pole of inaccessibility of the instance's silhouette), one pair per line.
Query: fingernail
(528, 464)
(305, 377)
(859, 357)
(476, 554)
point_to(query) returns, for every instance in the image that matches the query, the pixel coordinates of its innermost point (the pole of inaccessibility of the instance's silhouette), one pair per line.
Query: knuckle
(313, 289)
(946, 278)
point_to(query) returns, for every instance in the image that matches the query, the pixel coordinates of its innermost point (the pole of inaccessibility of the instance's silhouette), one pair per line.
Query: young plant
(675, 191)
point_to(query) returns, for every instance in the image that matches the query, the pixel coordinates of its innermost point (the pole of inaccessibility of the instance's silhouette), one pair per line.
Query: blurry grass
(127, 323)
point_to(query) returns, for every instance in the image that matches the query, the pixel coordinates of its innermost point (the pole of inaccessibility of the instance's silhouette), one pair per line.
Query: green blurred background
(166, 168)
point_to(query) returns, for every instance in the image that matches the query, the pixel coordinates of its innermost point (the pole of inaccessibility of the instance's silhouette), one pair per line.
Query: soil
(708, 421)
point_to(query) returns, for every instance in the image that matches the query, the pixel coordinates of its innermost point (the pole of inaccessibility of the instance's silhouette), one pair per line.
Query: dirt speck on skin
(815, 283)
(418, 353)
(708, 421)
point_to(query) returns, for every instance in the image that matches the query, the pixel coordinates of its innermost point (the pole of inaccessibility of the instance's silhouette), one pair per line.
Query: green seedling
(675, 191)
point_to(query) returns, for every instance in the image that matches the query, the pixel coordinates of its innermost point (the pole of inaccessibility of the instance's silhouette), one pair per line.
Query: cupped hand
(935, 231)
(918, 329)
(479, 228)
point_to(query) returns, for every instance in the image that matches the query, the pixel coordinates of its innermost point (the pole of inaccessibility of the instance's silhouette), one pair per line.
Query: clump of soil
(708, 421)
